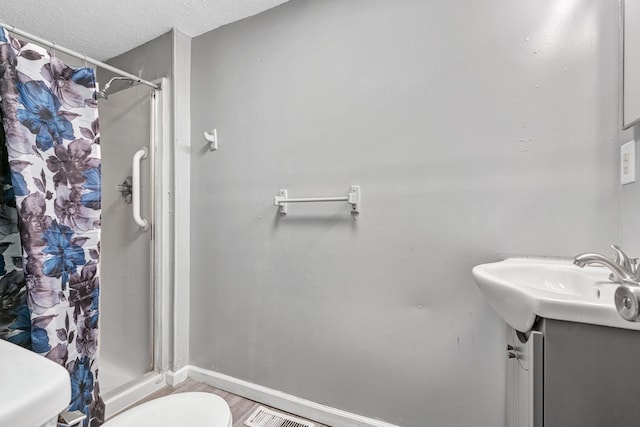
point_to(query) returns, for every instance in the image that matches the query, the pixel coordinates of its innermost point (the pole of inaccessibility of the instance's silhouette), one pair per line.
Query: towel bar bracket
(353, 198)
(282, 195)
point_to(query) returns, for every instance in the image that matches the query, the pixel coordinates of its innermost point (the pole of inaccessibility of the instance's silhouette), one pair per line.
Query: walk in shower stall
(131, 129)
(126, 333)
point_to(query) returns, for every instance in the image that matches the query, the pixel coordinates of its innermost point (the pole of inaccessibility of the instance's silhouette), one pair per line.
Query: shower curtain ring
(86, 63)
(53, 48)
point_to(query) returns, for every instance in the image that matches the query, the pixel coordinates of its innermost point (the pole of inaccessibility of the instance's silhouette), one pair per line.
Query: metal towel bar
(353, 198)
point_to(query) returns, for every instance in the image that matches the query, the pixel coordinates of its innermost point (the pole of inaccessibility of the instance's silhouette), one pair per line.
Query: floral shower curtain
(50, 214)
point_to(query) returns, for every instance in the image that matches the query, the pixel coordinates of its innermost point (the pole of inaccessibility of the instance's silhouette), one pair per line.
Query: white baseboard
(120, 399)
(286, 402)
(175, 378)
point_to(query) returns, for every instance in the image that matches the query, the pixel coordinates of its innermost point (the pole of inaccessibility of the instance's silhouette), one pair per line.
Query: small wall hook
(212, 138)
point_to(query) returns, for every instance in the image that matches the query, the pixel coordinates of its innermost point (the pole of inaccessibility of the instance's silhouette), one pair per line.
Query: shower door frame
(160, 254)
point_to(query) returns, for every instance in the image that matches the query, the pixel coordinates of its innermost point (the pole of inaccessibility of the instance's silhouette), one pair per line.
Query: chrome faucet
(629, 264)
(624, 270)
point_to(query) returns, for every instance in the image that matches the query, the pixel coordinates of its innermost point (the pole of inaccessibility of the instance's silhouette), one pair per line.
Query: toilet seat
(182, 409)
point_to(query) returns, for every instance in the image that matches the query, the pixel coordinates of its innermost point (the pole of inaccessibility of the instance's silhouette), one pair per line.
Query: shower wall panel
(126, 328)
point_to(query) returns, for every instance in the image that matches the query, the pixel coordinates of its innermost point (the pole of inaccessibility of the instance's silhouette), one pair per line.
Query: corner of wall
(181, 84)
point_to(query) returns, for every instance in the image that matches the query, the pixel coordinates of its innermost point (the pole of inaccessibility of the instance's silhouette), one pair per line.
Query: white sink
(33, 389)
(519, 289)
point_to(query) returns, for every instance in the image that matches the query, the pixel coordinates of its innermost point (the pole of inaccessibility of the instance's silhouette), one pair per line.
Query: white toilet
(182, 409)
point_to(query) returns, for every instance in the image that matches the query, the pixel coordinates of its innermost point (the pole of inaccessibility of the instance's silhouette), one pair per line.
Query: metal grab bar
(353, 198)
(135, 189)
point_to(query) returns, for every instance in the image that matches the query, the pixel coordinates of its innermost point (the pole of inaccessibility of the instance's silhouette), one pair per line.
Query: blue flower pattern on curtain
(50, 214)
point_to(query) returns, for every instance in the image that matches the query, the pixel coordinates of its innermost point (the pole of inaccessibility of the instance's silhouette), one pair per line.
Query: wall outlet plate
(628, 162)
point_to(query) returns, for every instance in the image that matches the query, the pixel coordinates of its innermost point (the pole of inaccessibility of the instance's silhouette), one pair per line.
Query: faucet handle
(635, 268)
(622, 259)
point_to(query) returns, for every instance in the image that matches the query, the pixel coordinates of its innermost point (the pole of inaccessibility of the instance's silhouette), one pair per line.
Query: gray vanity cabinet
(573, 374)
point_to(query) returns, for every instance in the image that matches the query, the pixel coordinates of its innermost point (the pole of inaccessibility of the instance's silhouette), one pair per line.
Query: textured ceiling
(104, 29)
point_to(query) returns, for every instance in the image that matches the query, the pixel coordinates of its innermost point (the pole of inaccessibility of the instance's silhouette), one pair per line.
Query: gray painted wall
(629, 206)
(474, 128)
(151, 61)
(630, 202)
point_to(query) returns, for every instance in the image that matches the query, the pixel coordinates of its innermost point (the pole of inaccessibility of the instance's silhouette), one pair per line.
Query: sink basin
(33, 389)
(519, 289)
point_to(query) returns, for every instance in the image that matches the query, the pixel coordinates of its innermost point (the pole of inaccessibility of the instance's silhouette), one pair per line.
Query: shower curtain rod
(78, 55)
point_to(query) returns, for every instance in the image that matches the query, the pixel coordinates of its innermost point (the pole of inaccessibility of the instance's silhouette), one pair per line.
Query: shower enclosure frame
(160, 158)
